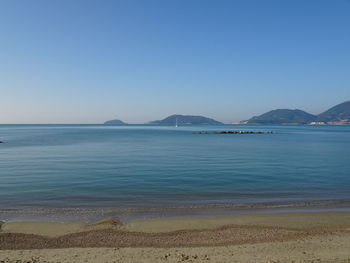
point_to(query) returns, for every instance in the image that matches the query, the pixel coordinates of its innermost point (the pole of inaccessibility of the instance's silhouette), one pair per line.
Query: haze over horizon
(138, 61)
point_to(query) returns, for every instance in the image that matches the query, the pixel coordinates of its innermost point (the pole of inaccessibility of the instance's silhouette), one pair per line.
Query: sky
(84, 61)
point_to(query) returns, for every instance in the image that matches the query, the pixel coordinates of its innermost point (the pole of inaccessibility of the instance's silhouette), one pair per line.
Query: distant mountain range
(115, 122)
(339, 114)
(283, 116)
(186, 120)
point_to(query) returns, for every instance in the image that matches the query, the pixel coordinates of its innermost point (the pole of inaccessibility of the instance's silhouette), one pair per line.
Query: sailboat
(176, 125)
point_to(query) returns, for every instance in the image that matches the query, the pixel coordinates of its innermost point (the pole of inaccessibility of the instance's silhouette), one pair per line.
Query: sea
(66, 172)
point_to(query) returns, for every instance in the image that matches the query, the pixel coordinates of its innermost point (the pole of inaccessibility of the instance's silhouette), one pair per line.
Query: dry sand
(293, 237)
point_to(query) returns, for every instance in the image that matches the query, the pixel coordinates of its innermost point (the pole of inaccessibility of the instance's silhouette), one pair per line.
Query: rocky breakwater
(233, 132)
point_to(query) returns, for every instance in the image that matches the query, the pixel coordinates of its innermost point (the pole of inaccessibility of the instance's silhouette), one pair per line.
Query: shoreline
(192, 239)
(90, 215)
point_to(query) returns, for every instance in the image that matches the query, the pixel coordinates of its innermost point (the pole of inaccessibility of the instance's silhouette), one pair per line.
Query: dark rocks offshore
(234, 132)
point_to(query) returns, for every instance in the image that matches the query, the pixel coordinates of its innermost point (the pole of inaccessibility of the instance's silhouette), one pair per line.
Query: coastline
(239, 238)
(126, 215)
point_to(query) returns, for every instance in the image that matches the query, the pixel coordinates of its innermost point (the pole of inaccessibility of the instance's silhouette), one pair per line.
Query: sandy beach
(287, 237)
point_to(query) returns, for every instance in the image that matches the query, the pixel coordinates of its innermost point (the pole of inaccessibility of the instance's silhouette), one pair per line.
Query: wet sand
(302, 237)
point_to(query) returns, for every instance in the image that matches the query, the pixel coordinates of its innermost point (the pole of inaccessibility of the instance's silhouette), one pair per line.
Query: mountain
(186, 120)
(115, 122)
(338, 113)
(283, 116)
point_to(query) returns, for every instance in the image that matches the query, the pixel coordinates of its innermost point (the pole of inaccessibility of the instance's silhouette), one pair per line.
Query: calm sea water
(96, 166)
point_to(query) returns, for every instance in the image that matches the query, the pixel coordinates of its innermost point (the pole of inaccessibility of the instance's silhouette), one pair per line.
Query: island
(283, 116)
(186, 120)
(115, 122)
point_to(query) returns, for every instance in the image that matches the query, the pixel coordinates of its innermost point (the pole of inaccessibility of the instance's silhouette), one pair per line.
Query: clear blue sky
(71, 61)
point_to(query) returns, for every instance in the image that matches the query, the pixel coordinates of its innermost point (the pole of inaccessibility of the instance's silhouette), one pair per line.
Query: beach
(179, 131)
(279, 237)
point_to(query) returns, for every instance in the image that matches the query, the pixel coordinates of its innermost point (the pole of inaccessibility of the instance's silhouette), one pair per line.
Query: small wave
(228, 206)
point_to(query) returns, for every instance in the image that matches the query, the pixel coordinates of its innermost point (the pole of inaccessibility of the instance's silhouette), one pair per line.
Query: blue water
(96, 166)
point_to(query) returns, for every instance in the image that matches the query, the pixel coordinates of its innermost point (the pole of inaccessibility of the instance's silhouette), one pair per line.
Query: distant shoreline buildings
(341, 122)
